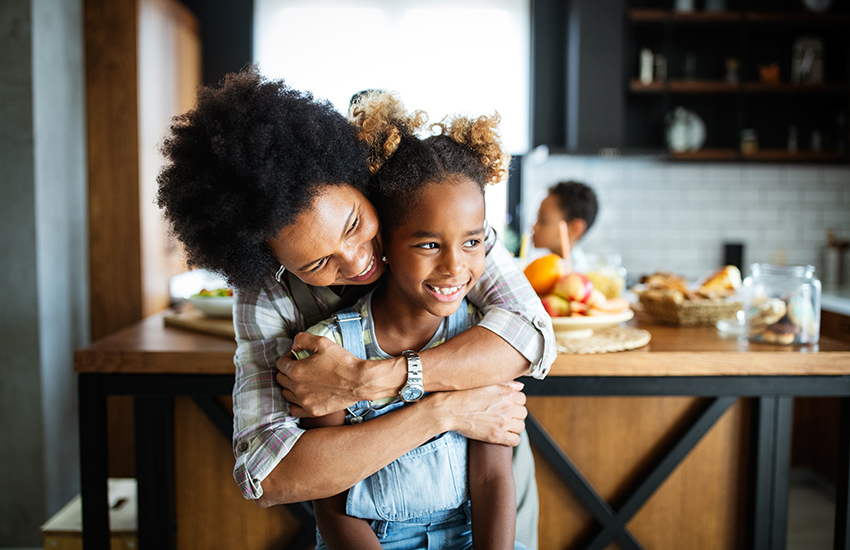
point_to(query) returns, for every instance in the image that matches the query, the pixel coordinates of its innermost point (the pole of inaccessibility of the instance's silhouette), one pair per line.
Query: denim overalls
(420, 500)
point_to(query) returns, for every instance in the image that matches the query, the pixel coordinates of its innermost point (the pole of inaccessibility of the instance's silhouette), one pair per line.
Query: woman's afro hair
(244, 163)
(402, 164)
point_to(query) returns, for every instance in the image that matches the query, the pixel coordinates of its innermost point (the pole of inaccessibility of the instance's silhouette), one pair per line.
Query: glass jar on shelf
(606, 272)
(782, 304)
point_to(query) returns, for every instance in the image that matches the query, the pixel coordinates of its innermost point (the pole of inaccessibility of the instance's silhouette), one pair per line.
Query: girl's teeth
(446, 290)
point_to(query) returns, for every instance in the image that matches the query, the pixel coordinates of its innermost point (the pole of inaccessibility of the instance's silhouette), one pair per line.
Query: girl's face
(334, 242)
(546, 232)
(438, 254)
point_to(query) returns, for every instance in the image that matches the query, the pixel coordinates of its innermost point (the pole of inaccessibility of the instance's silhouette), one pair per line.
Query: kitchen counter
(628, 418)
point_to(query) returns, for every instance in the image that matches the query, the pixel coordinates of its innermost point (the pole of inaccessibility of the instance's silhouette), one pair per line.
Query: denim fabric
(447, 530)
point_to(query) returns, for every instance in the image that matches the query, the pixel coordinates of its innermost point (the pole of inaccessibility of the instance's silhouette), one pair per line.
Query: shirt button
(242, 447)
(539, 323)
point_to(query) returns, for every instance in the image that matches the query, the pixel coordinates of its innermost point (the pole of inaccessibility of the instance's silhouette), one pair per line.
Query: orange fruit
(543, 273)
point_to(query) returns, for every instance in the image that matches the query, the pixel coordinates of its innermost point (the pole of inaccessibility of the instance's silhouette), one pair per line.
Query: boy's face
(546, 233)
(437, 255)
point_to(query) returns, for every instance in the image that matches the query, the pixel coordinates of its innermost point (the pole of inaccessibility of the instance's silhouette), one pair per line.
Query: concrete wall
(43, 258)
(676, 216)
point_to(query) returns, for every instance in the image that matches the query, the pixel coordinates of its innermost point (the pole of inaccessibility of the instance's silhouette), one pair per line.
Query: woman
(266, 186)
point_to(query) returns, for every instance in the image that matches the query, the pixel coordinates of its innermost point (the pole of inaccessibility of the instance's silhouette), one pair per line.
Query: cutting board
(191, 319)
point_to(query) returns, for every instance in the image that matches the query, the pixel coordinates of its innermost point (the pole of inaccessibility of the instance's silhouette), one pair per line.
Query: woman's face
(437, 255)
(334, 242)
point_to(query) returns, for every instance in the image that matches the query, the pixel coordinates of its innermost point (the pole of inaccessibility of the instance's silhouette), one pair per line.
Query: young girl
(430, 195)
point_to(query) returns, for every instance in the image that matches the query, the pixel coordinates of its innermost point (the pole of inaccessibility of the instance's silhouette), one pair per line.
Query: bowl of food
(669, 300)
(571, 328)
(213, 303)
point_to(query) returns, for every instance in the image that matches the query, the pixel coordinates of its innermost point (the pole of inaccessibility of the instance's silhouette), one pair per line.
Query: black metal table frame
(153, 410)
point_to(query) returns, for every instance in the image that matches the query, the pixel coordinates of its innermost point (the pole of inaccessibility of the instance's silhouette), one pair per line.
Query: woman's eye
(319, 265)
(354, 225)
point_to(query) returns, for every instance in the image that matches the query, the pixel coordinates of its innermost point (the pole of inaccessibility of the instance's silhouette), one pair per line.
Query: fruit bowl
(569, 328)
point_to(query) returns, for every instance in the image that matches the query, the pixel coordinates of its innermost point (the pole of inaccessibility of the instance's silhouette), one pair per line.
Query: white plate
(583, 327)
(213, 306)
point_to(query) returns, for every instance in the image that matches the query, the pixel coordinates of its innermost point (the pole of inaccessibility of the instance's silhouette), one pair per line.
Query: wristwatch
(413, 390)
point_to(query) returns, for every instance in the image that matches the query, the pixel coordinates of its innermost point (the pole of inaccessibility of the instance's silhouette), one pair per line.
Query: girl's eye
(472, 243)
(427, 246)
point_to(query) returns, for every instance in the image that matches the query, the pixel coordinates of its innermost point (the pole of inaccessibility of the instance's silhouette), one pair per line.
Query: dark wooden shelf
(658, 16)
(787, 87)
(783, 155)
(708, 154)
(762, 155)
(640, 15)
(723, 87)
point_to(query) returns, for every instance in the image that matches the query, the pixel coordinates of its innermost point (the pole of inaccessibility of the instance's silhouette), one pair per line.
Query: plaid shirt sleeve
(265, 322)
(512, 309)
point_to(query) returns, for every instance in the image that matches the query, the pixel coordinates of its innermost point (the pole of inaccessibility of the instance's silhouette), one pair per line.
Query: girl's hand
(493, 414)
(328, 381)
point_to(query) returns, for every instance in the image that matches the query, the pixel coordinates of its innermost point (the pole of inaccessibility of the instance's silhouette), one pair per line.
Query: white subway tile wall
(677, 217)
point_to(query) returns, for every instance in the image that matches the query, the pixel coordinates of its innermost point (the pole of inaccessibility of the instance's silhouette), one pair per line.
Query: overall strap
(352, 334)
(458, 321)
(304, 300)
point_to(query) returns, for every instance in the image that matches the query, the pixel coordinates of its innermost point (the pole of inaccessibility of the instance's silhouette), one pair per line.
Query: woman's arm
(326, 461)
(514, 338)
(339, 530)
(491, 489)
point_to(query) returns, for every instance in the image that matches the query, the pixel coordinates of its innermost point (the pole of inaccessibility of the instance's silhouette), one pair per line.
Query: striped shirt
(266, 320)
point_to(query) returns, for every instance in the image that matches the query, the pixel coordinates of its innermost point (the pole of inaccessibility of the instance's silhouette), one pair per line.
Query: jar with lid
(782, 304)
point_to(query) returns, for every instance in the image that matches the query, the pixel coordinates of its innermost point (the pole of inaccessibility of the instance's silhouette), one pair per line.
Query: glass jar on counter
(782, 304)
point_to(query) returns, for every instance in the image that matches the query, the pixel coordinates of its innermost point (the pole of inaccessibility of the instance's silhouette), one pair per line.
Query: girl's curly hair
(402, 164)
(244, 163)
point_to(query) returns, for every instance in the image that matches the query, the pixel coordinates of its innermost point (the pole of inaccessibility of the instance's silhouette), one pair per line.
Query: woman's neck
(399, 325)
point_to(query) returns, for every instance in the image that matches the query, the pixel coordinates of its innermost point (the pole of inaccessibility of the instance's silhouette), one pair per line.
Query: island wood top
(149, 347)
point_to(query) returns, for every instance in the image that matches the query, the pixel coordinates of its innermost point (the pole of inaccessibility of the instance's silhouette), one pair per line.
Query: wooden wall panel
(611, 440)
(211, 512)
(113, 164)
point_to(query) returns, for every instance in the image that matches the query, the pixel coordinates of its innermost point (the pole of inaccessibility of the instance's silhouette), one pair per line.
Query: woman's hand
(493, 414)
(331, 379)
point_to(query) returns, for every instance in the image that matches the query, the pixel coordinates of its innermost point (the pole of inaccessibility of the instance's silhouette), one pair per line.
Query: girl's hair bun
(482, 136)
(381, 122)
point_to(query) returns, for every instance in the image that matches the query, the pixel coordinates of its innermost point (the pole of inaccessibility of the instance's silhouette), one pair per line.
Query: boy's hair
(576, 200)
(402, 164)
(244, 163)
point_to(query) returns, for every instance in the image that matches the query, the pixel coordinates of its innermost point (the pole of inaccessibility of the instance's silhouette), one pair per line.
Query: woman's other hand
(493, 414)
(332, 378)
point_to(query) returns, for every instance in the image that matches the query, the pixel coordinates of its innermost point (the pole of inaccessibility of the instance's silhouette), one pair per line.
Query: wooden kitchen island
(684, 443)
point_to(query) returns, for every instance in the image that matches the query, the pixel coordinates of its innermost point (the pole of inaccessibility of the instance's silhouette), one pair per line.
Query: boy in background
(569, 201)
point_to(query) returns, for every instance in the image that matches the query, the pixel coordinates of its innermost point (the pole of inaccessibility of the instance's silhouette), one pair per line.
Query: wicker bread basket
(665, 310)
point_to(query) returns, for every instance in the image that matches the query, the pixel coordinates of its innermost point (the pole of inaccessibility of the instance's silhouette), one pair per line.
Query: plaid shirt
(266, 320)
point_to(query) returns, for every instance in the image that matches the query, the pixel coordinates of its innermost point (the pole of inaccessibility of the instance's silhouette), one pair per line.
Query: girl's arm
(339, 530)
(515, 338)
(491, 489)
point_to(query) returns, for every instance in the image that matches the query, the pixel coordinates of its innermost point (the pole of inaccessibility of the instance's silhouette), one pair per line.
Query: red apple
(555, 306)
(574, 287)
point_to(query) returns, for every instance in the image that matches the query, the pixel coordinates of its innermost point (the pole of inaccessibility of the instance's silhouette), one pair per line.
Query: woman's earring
(384, 258)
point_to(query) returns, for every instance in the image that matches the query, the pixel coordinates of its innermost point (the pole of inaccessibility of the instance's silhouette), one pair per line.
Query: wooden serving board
(192, 319)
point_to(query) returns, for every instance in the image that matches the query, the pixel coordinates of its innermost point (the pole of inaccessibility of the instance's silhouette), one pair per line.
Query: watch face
(411, 393)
